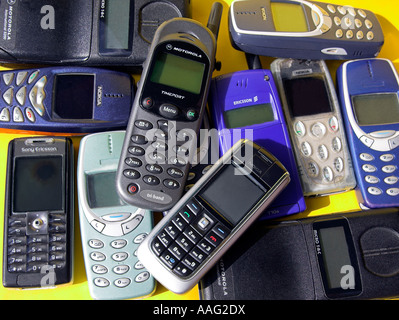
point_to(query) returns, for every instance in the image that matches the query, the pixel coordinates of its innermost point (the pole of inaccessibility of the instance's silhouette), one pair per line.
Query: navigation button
(169, 111)
(116, 217)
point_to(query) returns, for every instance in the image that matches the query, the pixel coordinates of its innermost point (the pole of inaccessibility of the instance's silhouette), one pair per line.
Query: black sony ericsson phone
(87, 32)
(338, 256)
(167, 112)
(39, 213)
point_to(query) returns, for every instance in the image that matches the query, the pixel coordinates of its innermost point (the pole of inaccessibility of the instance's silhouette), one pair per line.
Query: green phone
(111, 230)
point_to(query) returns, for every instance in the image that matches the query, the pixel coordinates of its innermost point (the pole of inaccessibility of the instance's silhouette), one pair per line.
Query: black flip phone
(338, 256)
(85, 32)
(38, 215)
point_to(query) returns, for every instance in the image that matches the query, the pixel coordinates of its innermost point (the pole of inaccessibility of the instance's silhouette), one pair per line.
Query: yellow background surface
(232, 60)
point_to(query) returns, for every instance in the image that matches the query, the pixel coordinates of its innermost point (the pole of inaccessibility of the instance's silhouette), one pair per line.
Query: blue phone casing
(373, 147)
(65, 99)
(244, 89)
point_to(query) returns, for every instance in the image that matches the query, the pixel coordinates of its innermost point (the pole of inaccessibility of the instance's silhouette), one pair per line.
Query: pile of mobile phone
(271, 139)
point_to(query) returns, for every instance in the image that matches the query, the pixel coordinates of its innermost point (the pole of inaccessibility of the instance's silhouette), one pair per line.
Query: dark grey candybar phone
(212, 215)
(39, 211)
(338, 256)
(85, 32)
(167, 113)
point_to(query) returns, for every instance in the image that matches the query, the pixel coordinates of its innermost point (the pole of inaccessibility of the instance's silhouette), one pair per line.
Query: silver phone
(212, 215)
(315, 125)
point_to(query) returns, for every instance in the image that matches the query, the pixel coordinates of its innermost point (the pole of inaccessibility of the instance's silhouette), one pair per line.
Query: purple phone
(245, 104)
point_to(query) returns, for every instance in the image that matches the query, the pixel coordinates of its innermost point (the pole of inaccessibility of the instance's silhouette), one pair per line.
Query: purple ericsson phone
(245, 104)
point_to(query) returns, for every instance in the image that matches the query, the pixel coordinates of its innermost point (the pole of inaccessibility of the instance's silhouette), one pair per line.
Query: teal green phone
(111, 230)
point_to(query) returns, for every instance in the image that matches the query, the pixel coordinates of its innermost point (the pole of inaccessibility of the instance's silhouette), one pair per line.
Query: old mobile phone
(39, 213)
(248, 100)
(368, 91)
(167, 113)
(314, 121)
(111, 230)
(95, 32)
(212, 215)
(339, 256)
(304, 30)
(65, 99)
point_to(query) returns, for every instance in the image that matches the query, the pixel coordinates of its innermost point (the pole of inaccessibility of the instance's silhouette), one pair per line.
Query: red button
(132, 188)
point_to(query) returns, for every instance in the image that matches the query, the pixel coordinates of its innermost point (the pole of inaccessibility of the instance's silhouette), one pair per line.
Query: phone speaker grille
(246, 12)
(242, 83)
(110, 144)
(358, 53)
(113, 95)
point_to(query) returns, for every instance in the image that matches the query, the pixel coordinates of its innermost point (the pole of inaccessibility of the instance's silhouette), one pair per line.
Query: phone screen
(73, 96)
(38, 184)
(231, 194)
(367, 114)
(101, 190)
(178, 72)
(307, 96)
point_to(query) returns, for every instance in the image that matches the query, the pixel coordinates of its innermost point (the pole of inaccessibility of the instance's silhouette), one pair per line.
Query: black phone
(87, 32)
(338, 256)
(39, 213)
(167, 112)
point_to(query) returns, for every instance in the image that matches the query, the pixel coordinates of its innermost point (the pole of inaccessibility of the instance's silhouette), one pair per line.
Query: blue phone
(368, 90)
(111, 230)
(65, 99)
(247, 102)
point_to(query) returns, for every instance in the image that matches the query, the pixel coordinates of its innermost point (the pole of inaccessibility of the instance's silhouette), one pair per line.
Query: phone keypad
(321, 149)
(35, 241)
(352, 23)
(119, 267)
(155, 161)
(22, 91)
(372, 167)
(190, 237)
